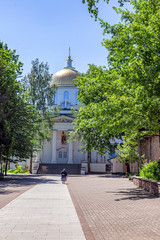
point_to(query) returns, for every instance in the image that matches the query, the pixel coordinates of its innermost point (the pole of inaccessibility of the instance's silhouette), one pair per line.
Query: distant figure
(63, 176)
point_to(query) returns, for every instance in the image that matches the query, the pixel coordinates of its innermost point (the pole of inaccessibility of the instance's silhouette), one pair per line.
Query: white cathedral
(59, 150)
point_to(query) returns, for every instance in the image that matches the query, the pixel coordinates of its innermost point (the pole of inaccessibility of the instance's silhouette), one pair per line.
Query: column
(54, 146)
(70, 157)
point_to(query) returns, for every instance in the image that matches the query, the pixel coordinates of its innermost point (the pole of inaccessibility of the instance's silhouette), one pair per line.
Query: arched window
(76, 100)
(66, 96)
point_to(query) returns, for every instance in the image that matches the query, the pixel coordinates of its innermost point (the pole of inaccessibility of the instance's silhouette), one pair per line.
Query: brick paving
(109, 207)
(14, 185)
(114, 209)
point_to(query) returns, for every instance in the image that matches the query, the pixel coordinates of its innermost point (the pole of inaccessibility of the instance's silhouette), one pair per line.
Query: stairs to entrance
(45, 168)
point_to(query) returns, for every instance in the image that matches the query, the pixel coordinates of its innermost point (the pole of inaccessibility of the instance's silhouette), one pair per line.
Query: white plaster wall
(78, 155)
(117, 166)
(98, 167)
(46, 153)
(60, 94)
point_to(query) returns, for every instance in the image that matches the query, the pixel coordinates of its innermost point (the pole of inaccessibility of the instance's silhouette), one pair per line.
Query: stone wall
(150, 186)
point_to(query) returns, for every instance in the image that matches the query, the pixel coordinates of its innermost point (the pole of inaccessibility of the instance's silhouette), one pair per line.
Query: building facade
(59, 150)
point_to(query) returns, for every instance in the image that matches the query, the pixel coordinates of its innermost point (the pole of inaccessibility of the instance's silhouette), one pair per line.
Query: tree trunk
(140, 154)
(88, 160)
(6, 166)
(128, 167)
(0, 158)
(31, 163)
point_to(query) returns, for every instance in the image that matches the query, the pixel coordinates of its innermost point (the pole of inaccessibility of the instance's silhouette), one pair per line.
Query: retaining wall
(150, 186)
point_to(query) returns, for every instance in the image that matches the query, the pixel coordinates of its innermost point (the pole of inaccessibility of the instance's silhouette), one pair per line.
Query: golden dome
(65, 76)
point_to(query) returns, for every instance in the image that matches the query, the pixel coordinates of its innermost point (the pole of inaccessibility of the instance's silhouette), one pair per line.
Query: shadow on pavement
(134, 194)
(110, 176)
(50, 181)
(20, 180)
(14, 185)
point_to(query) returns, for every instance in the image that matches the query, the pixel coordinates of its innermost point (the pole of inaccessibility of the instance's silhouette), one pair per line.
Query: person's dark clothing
(63, 175)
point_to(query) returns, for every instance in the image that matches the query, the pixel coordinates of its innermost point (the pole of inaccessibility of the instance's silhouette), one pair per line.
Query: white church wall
(46, 153)
(60, 94)
(78, 155)
(61, 148)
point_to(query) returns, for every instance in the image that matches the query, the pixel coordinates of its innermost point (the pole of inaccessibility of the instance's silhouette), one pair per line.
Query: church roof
(65, 76)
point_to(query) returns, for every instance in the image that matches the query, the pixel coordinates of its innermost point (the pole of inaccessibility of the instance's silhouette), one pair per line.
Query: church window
(64, 154)
(66, 96)
(76, 100)
(60, 154)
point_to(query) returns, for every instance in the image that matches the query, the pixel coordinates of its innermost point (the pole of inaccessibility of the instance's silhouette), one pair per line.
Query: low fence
(94, 167)
(98, 167)
(150, 186)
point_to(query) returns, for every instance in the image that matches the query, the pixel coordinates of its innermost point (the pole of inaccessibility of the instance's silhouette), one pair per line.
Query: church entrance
(62, 156)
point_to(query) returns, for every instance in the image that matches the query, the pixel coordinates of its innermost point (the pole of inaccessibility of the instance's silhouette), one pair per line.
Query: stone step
(57, 168)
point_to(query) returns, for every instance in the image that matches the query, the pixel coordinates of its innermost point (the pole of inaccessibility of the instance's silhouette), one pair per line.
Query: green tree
(128, 152)
(10, 69)
(124, 100)
(18, 118)
(93, 6)
(37, 84)
(20, 131)
(96, 89)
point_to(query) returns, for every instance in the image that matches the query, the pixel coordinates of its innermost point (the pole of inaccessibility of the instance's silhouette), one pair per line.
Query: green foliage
(14, 109)
(130, 175)
(128, 151)
(21, 125)
(93, 6)
(151, 171)
(19, 170)
(124, 99)
(37, 83)
(41, 95)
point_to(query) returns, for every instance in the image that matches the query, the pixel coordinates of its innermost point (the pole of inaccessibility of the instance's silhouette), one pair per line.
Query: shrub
(151, 171)
(19, 170)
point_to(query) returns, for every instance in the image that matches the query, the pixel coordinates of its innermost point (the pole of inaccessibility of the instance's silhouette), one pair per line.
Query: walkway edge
(85, 227)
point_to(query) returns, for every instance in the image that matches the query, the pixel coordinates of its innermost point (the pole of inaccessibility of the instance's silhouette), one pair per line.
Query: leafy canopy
(18, 118)
(124, 99)
(93, 6)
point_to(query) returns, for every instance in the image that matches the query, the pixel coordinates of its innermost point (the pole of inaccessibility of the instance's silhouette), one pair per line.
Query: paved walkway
(115, 209)
(108, 208)
(45, 212)
(14, 185)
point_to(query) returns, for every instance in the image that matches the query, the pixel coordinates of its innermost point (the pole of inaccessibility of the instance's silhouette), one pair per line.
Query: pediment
(63, 119)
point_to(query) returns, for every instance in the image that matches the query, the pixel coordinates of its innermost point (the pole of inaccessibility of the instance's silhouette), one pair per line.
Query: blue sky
(45, 29)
